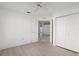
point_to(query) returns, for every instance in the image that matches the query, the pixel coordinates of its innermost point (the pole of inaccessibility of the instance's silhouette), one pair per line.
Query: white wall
(16, 28)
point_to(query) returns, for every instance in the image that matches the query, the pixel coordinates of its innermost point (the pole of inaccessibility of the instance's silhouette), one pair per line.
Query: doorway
(44, 31)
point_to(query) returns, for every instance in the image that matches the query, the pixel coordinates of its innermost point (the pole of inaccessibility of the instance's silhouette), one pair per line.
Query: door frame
(51, 30)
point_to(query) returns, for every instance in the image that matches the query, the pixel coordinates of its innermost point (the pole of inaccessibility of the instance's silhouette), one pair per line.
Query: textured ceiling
(46, 9)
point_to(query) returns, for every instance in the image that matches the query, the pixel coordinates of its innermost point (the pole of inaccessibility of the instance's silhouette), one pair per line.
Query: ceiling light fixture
(28, 12)
(39, 4)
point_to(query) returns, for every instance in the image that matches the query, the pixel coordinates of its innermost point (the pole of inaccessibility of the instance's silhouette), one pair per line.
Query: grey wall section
(16, 29)
(67, 32)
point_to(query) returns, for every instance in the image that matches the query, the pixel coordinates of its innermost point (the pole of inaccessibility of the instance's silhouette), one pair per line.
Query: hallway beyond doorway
(44, 31)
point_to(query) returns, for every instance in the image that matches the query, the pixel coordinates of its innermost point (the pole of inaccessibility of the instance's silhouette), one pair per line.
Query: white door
(67, 32)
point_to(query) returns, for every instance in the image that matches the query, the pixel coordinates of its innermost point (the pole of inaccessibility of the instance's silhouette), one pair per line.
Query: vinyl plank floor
(37, 49)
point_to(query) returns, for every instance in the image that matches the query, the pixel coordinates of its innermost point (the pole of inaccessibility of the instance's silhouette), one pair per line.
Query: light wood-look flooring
(36, 49)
